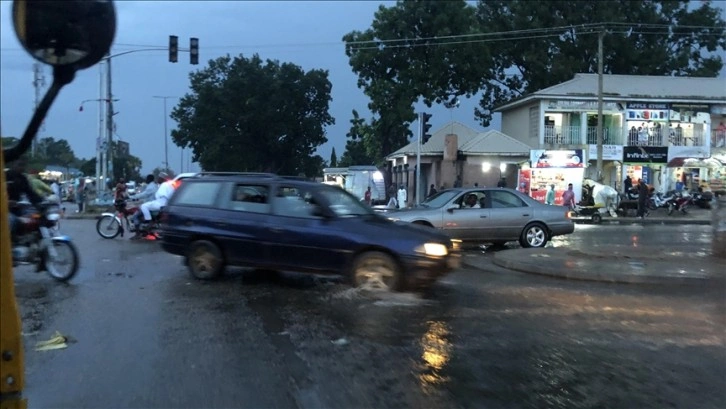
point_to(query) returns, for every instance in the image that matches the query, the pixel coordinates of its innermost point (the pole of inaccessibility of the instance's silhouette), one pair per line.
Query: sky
(308, 34)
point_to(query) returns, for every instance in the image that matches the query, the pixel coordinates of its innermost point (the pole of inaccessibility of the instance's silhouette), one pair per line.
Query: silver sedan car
(489, 215)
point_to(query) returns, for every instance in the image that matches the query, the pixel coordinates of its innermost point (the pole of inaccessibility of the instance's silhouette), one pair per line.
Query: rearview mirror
(75, 33)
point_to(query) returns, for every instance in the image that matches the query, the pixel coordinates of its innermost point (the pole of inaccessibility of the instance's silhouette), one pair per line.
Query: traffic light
(173, 48)
(425, 127)
(194, 51)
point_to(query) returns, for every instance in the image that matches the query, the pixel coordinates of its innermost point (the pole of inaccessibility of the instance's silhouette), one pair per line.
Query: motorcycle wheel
(670, 209)
(55, 268)
(108, 227)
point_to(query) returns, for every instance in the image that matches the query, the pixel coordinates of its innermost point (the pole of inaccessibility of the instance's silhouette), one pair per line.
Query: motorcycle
(680, 202)
(111, 225)
(36, 243)
(703, 199)
(659, 200)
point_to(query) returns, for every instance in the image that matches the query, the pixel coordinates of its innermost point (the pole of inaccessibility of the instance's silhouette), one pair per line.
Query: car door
(509, 214)
(242, 223)
(303, 241)
(463, 222)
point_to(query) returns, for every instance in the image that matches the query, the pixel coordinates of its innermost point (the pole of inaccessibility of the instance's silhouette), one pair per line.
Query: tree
(642, 38)
(399, 61)
(8, 141)
(362, 146)
(243, 114)
(333, 159)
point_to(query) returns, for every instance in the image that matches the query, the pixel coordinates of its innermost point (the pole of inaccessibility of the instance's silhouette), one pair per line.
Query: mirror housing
(73, 33)
(451, 208)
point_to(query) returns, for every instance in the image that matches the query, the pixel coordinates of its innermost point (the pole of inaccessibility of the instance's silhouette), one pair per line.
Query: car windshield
(439, 199)
(343, 203)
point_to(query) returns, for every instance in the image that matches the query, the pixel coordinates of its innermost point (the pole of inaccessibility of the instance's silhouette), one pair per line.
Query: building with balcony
(651, 124)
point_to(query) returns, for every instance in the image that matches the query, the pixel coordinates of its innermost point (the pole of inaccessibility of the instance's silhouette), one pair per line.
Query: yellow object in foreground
(12, 368)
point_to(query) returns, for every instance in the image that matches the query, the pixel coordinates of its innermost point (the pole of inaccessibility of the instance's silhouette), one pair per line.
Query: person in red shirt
(568, 198)
(367, 196)
(120, 192)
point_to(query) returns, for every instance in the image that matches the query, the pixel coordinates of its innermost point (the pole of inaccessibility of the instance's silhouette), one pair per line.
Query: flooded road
(147, 335)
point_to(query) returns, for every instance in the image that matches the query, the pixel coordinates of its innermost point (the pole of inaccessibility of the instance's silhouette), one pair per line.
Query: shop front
(647, 163)
(647, 123)
(553, 167)
(612, 156)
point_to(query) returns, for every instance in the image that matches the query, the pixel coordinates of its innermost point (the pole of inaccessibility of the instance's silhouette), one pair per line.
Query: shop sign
(609, 152)
(718, 109)
(574, 105)
(645, 154)
(647, 115)
(647, 105)
(688, 152)
(572, 158)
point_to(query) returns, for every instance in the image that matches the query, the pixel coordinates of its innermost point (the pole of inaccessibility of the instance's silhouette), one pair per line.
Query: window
(294, 202)
(503, 200)
(250, 198)
(468, 200)
(196, 194)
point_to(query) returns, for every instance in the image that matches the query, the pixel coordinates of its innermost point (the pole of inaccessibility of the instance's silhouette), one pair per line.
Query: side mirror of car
(451, 208)
(318, 211)
(69, 35)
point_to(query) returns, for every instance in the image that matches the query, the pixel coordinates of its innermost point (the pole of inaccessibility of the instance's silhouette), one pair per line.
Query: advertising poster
(572, 158)
(523, 184)
(541, 180)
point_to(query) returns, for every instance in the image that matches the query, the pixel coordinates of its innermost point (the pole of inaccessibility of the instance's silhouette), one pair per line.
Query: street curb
(84, 216)
(654, 221)
(542, 268)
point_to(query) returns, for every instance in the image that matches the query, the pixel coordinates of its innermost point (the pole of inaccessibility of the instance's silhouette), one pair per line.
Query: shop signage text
(609, 152)
(647, 105)
(573, 105)
(645, 154)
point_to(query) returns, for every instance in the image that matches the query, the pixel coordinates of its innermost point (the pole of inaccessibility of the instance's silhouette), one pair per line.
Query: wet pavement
(147, 335)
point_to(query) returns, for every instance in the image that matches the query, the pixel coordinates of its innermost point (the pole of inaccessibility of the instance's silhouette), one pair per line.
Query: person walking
(550, 198)
(642, 198)
(367, 196)
(568, 198)
(402, 197)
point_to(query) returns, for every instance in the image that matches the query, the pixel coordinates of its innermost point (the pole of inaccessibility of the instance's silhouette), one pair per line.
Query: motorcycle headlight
(53, 217)
(432, 249)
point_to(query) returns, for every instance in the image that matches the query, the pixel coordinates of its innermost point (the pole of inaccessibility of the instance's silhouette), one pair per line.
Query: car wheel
(534, 235)
(596, 218)
(376, 271)
(205, 260)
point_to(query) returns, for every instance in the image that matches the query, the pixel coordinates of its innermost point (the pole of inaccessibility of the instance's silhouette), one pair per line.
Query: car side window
(196, 194)
(250, 198)
(472, 200)
(294, 202)
(502, 199)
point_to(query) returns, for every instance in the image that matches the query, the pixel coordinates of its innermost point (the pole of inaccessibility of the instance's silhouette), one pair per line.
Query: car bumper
(562, 229)
(173, 243)
(424, 271)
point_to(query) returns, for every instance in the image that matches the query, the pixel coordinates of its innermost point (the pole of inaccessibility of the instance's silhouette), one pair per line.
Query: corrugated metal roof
(495, 143)
(470, 142)
(435, 144)
(633, 87)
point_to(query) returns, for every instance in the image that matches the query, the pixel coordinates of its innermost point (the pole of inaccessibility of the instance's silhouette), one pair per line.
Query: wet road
(146, 335)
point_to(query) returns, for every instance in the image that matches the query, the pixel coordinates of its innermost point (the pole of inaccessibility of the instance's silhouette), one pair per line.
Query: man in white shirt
(402, 196)
(147, 193)
(161, 197)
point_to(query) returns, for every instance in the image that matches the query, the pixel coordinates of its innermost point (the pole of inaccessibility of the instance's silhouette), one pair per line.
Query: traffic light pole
(418, 159)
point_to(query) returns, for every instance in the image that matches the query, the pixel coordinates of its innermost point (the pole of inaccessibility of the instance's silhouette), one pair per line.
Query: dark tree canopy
(431, 51)
(243, 114)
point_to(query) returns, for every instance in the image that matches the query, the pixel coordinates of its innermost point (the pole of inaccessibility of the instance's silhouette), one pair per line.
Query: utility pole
(600, 36)
(99, 139)
(418, 158)
(38, 83)
(166, 132)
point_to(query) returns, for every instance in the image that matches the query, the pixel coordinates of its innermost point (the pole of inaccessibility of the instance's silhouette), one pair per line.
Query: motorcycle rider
(148, 193)
(19, 184)
(162, 195)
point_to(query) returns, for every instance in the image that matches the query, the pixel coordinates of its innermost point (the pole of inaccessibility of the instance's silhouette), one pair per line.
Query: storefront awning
(694, 163)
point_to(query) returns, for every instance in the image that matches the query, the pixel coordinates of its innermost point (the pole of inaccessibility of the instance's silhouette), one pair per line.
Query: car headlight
(394, 219)
(432, 249)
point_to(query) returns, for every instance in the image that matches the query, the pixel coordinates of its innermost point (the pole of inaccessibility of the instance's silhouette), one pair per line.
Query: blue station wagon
(277, 223)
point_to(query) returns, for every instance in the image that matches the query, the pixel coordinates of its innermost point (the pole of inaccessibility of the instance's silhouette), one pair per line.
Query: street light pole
(166, 132)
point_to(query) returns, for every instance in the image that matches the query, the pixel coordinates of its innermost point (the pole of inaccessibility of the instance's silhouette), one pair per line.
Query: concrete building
(654, 126)
(459, 155)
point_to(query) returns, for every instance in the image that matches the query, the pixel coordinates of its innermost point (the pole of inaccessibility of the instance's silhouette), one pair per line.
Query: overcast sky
(305, 33)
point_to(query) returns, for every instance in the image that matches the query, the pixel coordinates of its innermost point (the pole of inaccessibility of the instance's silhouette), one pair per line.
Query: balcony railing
(610, 136)
(718, 138)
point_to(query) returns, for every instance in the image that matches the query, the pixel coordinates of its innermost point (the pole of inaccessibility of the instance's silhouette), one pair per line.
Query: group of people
(158, 189)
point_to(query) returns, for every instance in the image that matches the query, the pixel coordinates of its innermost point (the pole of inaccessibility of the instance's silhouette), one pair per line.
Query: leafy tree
(362, 146)
(658, 37)
(243, 114)
(9, 141)
(88, 167)
(333, 159)
(398, 62)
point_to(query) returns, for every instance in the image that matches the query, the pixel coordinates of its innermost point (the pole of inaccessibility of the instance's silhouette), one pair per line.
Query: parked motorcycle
(658, 200)
(35, 243)
(679, 202)
(111, 225)
(703, 199)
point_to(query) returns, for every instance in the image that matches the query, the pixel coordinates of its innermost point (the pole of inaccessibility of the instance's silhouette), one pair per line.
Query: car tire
(596, 218)
(205, 260)
(534, 235)
(377, 271)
